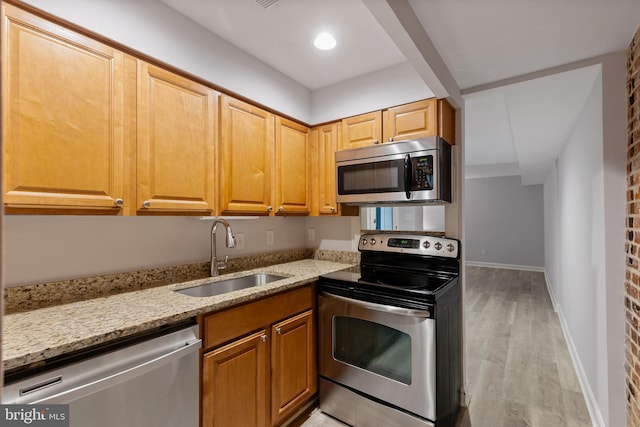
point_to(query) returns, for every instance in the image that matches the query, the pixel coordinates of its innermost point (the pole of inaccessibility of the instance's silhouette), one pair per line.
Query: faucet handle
(223, 264)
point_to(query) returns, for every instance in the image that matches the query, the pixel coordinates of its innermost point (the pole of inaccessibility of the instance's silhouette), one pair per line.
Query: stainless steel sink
(229, 285)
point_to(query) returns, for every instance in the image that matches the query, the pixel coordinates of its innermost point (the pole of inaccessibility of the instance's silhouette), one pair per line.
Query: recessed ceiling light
(325, 41)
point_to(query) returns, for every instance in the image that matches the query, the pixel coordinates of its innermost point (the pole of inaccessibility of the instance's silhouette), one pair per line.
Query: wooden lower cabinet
(234, 383)
(259, 363)
(293, 371)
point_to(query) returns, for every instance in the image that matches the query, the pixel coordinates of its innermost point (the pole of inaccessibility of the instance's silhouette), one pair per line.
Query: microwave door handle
(407, 176)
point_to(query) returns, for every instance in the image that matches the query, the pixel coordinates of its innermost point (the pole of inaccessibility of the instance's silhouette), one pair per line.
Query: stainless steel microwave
(404, 172)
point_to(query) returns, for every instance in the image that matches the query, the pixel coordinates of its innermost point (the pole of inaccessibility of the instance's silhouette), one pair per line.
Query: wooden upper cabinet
(446, 121)
(359, 131)
(246, 149)
(175, 151)
(410, 121)
(64, 118)
(324, 145)
(419, 119)
(292, 168)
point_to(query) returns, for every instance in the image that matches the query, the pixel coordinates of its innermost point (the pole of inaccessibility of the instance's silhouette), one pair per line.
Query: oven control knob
(438, 246)
(450, 247)
(364, 241)
(426, 244)
(373, 242)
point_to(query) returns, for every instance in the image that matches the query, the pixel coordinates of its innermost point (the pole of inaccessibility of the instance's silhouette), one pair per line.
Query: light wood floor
(519, 372)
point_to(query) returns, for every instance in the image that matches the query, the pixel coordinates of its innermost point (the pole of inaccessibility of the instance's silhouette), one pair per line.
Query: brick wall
(632, 282)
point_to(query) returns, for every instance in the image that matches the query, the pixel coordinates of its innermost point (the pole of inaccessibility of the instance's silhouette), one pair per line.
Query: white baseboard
(587, 392)
(505, 266)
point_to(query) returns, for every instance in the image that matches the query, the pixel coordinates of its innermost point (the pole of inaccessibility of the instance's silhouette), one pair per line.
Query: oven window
(374, 347)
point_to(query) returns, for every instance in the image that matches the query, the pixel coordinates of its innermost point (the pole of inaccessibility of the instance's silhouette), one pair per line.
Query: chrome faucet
(231, 242)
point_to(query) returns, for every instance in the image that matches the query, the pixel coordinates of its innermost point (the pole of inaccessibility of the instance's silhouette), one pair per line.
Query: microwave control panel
(422, 171)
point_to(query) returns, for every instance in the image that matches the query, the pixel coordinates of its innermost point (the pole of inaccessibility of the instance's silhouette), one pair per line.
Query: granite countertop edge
(32, 337)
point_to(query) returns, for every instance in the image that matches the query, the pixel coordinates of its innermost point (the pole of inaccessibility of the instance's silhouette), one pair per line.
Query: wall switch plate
(311, 234)
(483, 251)
(270, 237)
(239, 240)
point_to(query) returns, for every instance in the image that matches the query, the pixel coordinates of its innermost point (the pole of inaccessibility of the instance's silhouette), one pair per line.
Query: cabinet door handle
(269, 208)
(264, 338)
(279, 331)
(390, 139)
(375, 141)
(146, 204)
(119, 202)
(332, 209)
(281, 209)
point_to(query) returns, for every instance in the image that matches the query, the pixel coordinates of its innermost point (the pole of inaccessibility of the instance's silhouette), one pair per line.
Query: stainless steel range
(390, 331)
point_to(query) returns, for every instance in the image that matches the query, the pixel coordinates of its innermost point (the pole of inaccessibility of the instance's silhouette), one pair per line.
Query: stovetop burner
(418, 283)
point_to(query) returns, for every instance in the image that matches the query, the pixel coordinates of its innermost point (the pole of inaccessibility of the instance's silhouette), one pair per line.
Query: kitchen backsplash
(30, 297)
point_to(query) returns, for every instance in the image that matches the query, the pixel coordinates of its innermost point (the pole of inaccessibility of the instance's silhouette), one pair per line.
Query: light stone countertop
(31, 337)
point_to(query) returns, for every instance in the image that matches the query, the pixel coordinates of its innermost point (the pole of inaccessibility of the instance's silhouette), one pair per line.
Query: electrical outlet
(239, 240)
(483, 251)
(270, 237)
(311, 234)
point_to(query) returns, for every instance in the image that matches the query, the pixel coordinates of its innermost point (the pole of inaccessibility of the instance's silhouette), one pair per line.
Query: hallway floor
(519, 372)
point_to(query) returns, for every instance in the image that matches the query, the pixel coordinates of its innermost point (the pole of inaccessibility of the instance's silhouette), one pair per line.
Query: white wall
(333, 233)
(584, 197)
(391, 86)
(50, 248)
(504, 219)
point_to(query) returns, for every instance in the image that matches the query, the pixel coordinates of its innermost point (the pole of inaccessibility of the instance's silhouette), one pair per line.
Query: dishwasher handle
(91, 387)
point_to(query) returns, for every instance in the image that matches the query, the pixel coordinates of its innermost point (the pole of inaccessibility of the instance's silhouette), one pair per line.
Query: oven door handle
(379, 307)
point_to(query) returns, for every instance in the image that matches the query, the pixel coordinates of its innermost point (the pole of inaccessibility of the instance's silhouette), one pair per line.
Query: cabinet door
(410, 121)
(234, 383)
(328, 137)
(63, 117)
(246, 157)
(293, 365)
(175, 143)
(446, 121)
(292, 168)
(362, 130)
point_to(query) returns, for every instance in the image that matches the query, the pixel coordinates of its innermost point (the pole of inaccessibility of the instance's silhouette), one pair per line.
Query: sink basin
(229, 285)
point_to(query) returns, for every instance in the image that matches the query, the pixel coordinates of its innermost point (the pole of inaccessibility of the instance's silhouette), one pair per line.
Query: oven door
(383, 351)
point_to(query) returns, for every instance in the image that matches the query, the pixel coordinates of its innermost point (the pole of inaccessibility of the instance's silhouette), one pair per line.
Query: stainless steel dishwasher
(153, 382)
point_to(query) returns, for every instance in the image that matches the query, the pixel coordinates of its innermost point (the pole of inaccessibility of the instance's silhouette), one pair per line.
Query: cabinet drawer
(223, 326)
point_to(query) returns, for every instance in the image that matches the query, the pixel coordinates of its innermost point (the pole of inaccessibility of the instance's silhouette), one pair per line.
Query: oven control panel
(410, 244)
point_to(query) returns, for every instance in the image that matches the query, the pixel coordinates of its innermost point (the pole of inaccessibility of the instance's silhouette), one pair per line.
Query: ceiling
(479, 42)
